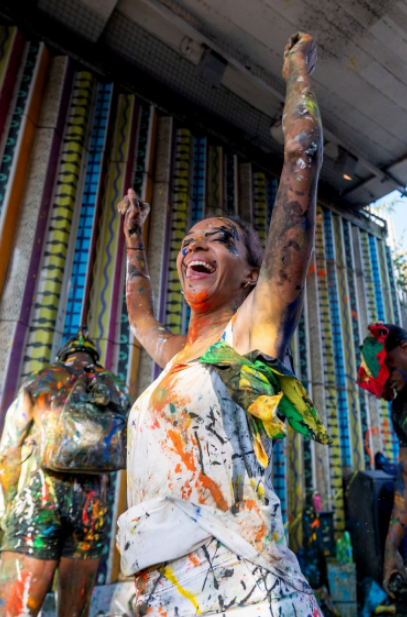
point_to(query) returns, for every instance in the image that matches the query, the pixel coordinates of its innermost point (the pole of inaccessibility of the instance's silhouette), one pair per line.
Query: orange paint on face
(178, 468)
(197, 301)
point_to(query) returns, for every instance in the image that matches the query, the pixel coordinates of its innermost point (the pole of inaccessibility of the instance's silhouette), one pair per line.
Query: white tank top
(192, 474)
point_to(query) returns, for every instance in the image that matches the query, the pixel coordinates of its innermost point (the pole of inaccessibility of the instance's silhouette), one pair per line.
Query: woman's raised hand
(301, 53)
(135, 213)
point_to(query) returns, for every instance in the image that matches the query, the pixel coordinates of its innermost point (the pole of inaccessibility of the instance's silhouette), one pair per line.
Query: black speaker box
(369, 504)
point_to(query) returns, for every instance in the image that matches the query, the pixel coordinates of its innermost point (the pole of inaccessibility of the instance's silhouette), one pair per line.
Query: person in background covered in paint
(55, 520)
(383, 377)
(204, 533)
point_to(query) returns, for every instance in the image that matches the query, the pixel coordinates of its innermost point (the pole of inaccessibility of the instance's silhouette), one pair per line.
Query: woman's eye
(224, 238)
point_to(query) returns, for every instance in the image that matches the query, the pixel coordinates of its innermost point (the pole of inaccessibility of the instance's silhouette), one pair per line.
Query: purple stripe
(22, 324)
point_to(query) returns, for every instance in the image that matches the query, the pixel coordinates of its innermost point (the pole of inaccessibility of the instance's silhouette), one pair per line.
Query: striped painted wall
(75, 144)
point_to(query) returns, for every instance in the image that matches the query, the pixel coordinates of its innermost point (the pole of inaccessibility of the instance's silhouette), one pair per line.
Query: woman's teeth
(201, 264)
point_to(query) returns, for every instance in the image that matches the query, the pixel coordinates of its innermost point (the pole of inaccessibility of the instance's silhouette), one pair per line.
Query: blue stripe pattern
(340, 372)
(394, 298)
(88, 210)
(377, 285)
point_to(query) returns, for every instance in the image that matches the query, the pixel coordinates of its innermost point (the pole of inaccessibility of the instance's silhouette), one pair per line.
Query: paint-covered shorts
(58, 515)
(214, 581)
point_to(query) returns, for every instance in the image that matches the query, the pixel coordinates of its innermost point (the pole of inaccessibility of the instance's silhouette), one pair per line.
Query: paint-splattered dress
(203, 508)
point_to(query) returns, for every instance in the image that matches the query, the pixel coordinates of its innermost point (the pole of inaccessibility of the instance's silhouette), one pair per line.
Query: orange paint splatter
(194, 560)
(215, 492)
(166, 392)
(252, 506)
(186, 457)
(186, 491)
(19, 600)
(42, 400)
(197, 301)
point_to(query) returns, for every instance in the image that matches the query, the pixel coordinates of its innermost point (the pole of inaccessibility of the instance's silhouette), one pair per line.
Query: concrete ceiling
(360, 80)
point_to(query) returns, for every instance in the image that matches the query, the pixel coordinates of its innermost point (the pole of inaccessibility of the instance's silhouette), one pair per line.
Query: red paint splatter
(16, 603)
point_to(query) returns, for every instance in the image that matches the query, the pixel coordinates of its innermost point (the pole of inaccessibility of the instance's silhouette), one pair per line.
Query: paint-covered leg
(24, 582)
(76, 579)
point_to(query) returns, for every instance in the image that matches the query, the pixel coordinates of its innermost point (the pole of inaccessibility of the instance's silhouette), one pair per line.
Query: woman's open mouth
(198, 269)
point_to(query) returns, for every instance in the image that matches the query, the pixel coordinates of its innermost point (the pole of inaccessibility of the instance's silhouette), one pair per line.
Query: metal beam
(386, 170)
(274, 90)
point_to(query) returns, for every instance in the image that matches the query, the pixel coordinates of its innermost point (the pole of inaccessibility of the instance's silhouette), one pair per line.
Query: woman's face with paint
(396, 361)
(212, 265)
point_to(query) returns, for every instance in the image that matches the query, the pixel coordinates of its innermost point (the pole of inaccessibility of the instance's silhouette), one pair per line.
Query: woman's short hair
(254, 251)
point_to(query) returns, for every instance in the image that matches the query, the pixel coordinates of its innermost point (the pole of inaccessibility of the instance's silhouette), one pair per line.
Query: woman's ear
(251, 278)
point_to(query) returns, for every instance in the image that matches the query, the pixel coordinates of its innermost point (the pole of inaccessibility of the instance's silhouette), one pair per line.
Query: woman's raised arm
(271, 313)
(157, 340)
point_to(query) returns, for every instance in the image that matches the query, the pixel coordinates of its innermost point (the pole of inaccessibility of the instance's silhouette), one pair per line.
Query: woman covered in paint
(204, 533)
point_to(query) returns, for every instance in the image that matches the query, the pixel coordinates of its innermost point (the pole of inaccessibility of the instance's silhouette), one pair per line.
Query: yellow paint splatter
(353, 63)
(169, 574)
(258, 488)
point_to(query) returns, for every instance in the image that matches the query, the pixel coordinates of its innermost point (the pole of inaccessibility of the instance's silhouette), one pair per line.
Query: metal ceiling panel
(87, 17)
(360, 80)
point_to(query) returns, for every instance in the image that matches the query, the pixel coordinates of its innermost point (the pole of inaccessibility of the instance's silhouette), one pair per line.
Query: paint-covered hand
(300, 53)
(135, 213)
(393, 564)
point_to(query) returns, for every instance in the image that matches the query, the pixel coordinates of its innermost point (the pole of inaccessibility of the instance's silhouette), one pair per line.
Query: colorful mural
(75, 145)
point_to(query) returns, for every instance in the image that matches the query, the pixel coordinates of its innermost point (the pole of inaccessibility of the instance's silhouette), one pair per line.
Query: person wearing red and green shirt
(384, 373)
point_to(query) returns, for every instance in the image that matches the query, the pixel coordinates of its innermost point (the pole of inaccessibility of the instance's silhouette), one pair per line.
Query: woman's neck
(206, 325)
